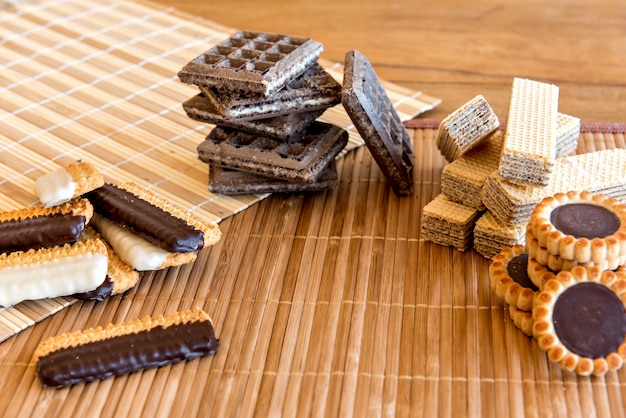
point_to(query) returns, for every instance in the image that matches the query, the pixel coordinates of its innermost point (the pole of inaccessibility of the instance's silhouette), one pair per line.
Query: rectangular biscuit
(448, 223)
(491, 235)
(465, 128)
(529, 149)
(567, 134)
(599, 172)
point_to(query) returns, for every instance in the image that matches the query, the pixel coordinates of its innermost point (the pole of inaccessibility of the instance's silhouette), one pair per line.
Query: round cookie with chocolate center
(580, 320)
(508, 275)
(583, 227)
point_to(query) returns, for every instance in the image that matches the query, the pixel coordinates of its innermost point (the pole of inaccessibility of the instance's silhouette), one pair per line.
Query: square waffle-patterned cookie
(313, 90)
(257, 63)
(374, 116)
(301, 159)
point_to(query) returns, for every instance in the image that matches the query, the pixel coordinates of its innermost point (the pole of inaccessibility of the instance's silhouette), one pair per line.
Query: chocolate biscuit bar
(374, 116)
(302, 159)
(255, 63)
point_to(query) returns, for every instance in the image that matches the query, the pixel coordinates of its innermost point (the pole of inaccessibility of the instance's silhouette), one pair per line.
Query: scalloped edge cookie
(504, 285)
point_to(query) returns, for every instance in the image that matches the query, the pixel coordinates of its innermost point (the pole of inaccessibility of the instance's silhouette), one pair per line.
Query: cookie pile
(567, 286)
(264, 93)
(88, 239)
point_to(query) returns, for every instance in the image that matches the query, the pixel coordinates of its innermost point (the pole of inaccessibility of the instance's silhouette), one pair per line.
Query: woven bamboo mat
(95, 80)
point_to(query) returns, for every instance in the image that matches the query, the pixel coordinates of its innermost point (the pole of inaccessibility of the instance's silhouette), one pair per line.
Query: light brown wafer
(445, 222)
(492, 235)
(465, 128)
(567, 134)
(579, 320)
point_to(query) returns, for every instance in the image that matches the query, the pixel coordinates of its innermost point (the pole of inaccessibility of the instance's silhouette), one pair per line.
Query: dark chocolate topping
(584, 220)
(518, 270)
(40, 232)
(100, 293)
(146, 220)
(589, 319)
(116, 356)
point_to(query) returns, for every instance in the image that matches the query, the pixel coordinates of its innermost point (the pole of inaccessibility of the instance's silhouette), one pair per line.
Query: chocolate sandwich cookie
(234, 182)
(508, 274)
(153, 218)
(67, 183)
(374, 116)
(301, 159)
(255, 63)
(315, 89)
(580, 320)
(52, 272)
(43, 227)
(583, 227)
(99, 353)
(279, 127)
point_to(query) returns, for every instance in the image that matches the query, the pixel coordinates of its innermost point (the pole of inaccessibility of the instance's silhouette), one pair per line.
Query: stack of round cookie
(572, 297)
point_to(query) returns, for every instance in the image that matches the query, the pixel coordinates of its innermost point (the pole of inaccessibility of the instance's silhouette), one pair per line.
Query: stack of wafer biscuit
(263, 92)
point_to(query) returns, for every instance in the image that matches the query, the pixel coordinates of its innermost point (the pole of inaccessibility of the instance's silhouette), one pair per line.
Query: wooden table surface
(456, 49)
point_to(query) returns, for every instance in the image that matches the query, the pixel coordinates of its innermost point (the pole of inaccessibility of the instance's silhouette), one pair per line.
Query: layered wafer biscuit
(315, 89)
(529, 149)
(567, 134)
(463, 179)
(120, 276)
(581, 226)
(579, 320)
(153, 218)
(279, 127)
(465, 128)
(448, 223)
(234, 182)
(52, 272)
(492, 235)
(598, 172)
(67, 183)
(255, 63)
(508, 275)
(43, 227)
(117, 349)
(378, 123)
(302, 159)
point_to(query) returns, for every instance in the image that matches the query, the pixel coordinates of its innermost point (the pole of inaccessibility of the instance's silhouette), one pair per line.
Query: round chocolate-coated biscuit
(508, 274)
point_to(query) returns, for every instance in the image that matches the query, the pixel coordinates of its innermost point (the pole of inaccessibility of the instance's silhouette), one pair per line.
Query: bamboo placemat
(96, 80)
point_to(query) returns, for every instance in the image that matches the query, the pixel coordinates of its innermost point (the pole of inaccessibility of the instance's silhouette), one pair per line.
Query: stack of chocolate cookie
(264, 93)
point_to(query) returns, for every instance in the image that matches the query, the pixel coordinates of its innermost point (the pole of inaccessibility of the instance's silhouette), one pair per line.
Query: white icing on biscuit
(133, 250)
(61, 276)
(55, 187)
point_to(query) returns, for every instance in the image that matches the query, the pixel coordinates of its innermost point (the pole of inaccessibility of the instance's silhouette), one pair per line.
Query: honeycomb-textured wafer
(492, 235)
(463, 179)
(529, 149)
(98, 353)
(567, 134)
(41, 227)
(120, 276)
(280, 127)
(448, 223)
(508, 275)
(599, 172)
(52, 272)
(315, 89)
(253, 62)
(67, 183)
(153, 218)
(302, 159)
(579, 320)
(375, 118)
(232, 182)
(137, 252)
(581, 226)
(465, 128)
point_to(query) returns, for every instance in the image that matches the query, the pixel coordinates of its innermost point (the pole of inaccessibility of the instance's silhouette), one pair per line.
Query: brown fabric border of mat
(603, 127)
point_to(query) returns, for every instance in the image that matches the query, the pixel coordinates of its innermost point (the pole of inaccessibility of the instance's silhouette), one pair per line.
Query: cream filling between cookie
(133, 250)
(61, 276)
(55, 187)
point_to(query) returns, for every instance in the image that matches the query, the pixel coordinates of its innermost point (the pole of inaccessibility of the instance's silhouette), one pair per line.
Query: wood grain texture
(458, 49)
